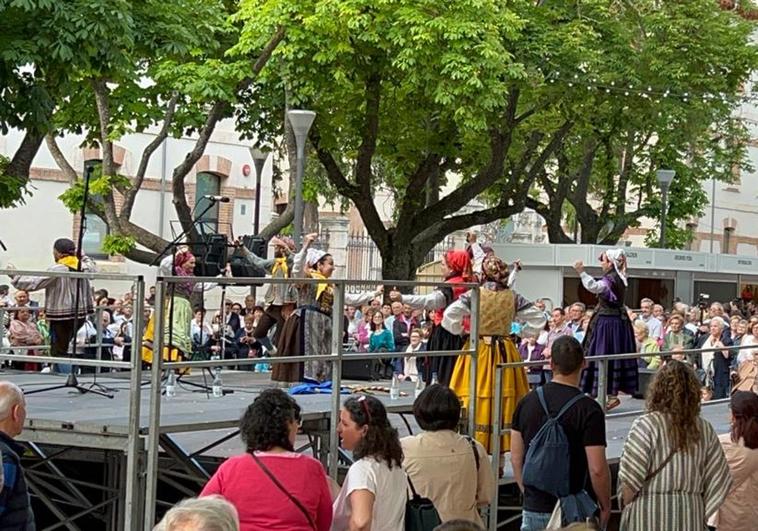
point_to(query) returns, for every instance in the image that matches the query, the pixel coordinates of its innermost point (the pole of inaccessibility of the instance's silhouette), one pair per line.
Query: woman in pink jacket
(739, 512)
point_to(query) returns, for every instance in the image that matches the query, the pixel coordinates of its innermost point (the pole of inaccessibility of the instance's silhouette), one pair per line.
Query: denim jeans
(531, 521)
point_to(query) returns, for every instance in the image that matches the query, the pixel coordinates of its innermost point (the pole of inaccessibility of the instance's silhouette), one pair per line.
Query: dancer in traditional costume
(610, 330)
(178, 314)
(308, 331)
(499, 306)
(281, 299)
(456, 268)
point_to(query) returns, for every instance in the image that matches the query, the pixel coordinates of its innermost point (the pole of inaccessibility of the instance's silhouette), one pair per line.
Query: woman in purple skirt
(610, 330)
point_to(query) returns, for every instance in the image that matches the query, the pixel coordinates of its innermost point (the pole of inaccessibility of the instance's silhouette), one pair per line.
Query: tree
(661, 94)
(408, 93)
(412, 96)
(164, 67)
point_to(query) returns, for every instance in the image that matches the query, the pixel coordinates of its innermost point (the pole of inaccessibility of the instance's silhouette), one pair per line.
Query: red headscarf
(180, 259)
(459, 264)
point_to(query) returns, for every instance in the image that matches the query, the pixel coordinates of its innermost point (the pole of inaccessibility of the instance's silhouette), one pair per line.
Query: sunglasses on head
(364, 405)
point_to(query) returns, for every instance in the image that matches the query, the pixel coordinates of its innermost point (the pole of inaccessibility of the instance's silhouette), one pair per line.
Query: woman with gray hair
(209, 513)
(716, 363)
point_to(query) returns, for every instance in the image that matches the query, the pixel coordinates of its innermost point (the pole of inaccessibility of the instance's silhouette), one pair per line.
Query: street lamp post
(664, 181)
(259, 160)
(301, 121)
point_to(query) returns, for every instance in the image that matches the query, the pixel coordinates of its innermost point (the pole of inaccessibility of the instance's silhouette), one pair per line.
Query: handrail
(336, 357)
(71, 274)
(498, 430)
(630, 355)
(244, 281)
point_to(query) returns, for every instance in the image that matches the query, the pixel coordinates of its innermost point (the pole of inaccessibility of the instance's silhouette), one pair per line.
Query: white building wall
(29, 231)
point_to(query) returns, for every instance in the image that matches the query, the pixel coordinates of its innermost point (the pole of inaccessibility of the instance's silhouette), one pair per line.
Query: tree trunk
(21, 162)
(398, 264)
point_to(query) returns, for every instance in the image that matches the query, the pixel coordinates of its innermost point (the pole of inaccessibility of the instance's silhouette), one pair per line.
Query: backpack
(546, 466)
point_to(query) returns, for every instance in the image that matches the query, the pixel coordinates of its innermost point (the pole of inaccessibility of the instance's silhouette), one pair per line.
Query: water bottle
(434, 378)
(395, 387)
(171, 385)
(218, 389)
(419, 387)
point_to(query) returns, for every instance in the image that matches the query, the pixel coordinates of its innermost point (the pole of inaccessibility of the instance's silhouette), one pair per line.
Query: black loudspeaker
(256, 245)
(363, 370)
(239, 263)
(211, 255)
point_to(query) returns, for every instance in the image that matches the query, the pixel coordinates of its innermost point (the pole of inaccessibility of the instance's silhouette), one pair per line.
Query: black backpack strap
(285, 491)
(473, 449)
(410, 484)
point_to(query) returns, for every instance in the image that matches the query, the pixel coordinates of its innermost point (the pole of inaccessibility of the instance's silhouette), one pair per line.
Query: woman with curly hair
(272, 486)
(739, 511)
(673, 474)
(373, 495)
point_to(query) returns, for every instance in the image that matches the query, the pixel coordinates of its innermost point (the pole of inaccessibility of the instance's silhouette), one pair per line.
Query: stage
(78, 443)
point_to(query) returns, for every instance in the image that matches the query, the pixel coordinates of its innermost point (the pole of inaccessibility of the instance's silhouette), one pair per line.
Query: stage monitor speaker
(363, 370)
(240, 265)
(211, 255)
(256, 245)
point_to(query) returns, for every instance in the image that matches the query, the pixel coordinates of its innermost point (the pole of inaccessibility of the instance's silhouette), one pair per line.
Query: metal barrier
(497, 421)
(335, 356)
(132, 495)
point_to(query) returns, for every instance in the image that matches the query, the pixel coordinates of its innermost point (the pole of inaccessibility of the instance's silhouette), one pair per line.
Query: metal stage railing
(336, 356)
(132, 497)
(498, 429)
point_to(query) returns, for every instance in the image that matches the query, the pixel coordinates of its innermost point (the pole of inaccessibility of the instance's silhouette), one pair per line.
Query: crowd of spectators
(658, 330)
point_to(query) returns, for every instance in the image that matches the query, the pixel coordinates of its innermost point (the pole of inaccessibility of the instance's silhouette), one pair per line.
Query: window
(95, 228)
(728, 232)
(207, 184)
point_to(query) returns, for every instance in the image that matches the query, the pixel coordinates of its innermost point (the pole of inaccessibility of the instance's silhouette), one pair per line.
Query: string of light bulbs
(647, 92)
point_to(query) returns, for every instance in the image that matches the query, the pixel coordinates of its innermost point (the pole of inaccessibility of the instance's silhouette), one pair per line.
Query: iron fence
(365, 262)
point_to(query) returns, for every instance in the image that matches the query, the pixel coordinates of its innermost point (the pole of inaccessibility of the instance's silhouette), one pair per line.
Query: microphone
(217, 198)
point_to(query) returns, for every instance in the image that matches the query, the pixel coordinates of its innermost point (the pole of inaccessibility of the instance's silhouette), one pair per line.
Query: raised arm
(435, 300)
(257, 261)
(533, 318)
(298, 261)
(590, 284)
(165, 267)
(452, 320)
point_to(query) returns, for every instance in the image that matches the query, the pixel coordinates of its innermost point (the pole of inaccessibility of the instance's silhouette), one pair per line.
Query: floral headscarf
(180, 259)
(495, 270)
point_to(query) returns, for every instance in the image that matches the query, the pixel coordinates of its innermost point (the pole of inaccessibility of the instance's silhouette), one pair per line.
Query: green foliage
(446, 73)
(12, 189)
(115, 244)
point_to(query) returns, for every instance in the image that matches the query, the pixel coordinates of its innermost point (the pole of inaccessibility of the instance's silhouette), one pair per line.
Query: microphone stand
(71, 380)
(172, 244)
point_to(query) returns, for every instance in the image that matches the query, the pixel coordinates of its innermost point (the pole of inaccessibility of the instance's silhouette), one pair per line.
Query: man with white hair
(15, 506)
(209, 513)
(654, 325)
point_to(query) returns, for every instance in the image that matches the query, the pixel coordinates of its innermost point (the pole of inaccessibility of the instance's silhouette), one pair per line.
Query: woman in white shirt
(374, 493)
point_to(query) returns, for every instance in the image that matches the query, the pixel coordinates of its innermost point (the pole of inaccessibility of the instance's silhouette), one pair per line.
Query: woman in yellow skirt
(498, 307)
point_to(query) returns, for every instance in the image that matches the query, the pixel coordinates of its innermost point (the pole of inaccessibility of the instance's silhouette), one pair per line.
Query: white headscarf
(313, 256)
(618, 259)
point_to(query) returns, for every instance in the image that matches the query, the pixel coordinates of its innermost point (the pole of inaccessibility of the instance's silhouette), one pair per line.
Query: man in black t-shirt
(584, 425)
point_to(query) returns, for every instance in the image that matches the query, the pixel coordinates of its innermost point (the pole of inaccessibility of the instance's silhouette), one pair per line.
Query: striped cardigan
(60, 292)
